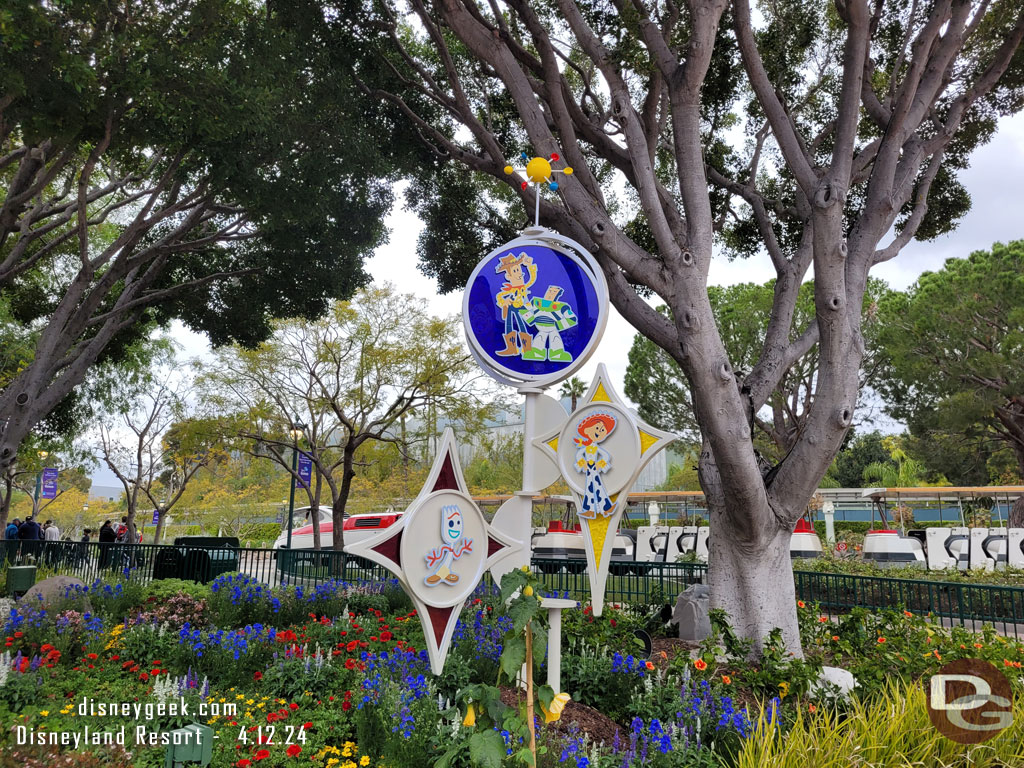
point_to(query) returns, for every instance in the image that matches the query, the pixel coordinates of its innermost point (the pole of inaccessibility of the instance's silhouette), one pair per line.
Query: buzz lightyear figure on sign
(549, 317)
(594, 461)
(520, 274)
(454, 545)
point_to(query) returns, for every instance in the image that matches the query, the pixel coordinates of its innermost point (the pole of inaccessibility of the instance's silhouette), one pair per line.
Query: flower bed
(337, 676)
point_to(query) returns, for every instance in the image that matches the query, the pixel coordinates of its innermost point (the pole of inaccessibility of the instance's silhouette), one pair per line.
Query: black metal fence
(144, 562)
(965, 604)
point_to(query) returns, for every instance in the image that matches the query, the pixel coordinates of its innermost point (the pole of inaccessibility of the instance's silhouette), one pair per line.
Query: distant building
(105, 492)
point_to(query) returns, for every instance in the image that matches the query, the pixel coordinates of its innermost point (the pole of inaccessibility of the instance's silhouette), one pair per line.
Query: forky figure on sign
(454, 545)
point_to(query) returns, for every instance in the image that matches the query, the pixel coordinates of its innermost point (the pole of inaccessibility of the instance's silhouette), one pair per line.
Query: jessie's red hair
(604, 418)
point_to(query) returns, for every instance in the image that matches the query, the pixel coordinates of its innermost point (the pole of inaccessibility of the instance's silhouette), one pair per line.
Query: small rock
(691, 613)
(834, 680)
(51, 591)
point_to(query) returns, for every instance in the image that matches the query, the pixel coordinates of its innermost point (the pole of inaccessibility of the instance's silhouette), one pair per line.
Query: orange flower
(811, 708)
(726, 679)
(823, 619)
(835, 637)
(700, 664)
(800, 604)
(908, 614)
(650, 664)
(977, 645)
(881, 640)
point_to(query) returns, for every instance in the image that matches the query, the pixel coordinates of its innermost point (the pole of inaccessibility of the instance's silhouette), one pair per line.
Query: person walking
(83, 547)
(11, 539)
(106, 538)
(51, 537)
(30, 534)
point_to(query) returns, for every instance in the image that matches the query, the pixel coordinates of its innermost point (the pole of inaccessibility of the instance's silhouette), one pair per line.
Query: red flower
(263, 754)
(243, 763)
(271, 717)
(18, 634)
(385, 637)
(293, 706)
(350, 663)
(157, 662)
(115, 658)
(143, 677)
(257, 676)
(307, 726)
(351, 646)
(346, 705)
(293, 750)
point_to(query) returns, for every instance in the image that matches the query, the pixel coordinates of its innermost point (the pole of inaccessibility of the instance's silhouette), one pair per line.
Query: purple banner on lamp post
(156, 516)
(49, 483)
(305, 469)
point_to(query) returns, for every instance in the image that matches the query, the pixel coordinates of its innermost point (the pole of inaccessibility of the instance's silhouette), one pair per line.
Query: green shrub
(161, 589)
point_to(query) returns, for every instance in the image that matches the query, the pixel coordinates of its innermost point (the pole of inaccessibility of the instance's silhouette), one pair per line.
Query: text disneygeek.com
(138, 735)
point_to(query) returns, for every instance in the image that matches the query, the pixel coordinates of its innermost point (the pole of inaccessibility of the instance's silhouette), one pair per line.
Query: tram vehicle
(943, 548)
(356, 527)
(559, 545)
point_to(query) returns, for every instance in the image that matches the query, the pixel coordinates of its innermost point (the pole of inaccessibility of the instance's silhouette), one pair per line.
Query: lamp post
(39, 481)
(296, 433)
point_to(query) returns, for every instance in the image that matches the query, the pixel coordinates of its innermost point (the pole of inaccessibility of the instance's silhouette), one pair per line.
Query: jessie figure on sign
(594, 461)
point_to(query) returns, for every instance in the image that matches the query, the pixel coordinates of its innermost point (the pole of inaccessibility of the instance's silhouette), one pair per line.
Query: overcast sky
(993, 181)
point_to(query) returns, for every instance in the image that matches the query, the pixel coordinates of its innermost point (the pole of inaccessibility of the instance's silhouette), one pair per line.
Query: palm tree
(573, 389)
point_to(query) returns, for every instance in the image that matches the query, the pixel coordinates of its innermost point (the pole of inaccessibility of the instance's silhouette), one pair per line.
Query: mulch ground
(595, 724)
(598, 726)
(667, 648)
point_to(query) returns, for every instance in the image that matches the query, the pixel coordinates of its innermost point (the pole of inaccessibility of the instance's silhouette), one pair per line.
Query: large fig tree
(813, 134)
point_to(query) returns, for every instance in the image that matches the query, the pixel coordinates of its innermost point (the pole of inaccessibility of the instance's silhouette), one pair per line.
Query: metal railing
(203, 563)
(952, 603)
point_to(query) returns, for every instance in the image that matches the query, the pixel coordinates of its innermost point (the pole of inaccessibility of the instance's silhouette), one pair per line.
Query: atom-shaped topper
(539, 170)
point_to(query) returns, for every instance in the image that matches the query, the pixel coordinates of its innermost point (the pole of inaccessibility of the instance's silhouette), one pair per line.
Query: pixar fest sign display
(534, 311)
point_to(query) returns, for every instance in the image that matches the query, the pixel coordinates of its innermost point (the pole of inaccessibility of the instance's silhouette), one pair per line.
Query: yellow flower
(45, 713)
(470, 719)
(783, 689)
(332, 760)
(557, 705)
(364, 760)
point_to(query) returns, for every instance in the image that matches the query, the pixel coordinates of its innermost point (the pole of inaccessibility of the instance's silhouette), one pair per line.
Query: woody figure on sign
(520, 274)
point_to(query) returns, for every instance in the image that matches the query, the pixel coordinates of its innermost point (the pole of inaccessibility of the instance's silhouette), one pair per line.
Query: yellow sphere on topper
(538, 170)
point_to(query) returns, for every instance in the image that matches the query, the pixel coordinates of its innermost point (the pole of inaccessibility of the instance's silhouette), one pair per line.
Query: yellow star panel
(601, 525)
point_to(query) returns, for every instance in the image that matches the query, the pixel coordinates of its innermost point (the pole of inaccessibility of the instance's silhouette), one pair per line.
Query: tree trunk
(5, 503)
(752, 581)
(341, 501)
(1016, 517)
(160, 520)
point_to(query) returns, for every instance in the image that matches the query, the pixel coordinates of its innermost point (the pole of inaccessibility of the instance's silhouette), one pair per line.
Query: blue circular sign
(534, 310)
